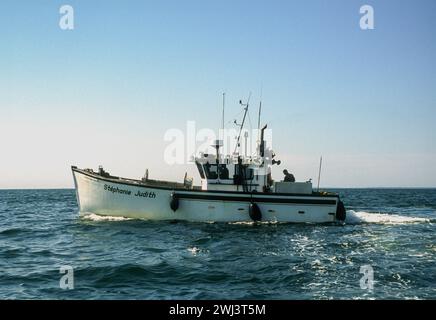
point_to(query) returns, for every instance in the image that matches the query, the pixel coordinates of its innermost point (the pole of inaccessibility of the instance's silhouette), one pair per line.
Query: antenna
(260, 109)
(258, 118)
(224, 103)
(319, 172)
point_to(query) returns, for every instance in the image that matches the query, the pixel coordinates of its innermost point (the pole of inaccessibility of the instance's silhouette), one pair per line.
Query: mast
(219, 143)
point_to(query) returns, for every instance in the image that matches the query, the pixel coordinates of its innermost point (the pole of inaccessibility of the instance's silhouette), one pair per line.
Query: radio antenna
(224, 103)
(260, 110)
(319, 172)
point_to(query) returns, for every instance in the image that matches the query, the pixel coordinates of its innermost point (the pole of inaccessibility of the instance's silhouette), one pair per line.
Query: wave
(357, 217)
(13, 231)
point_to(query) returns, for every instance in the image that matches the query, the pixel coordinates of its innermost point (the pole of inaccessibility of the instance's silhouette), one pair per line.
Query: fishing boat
(234, 188)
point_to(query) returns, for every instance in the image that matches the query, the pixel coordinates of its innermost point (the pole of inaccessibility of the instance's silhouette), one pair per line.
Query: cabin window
(211, 171)
(223, 171)
(200, 170)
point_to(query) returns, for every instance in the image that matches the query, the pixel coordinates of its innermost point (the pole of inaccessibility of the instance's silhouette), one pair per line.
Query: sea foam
(95, 217)
(357, 217)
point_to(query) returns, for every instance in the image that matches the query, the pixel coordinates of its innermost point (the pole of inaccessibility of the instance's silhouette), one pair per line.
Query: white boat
(233, 188)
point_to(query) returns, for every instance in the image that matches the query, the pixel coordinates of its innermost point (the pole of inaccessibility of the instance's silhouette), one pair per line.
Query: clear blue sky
(106, 92)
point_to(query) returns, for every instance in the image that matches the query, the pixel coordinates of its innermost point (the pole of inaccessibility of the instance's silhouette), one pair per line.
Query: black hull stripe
(333, 197)
(254, 199)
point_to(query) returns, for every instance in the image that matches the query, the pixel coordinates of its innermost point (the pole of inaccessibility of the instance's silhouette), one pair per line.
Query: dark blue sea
(391, 232)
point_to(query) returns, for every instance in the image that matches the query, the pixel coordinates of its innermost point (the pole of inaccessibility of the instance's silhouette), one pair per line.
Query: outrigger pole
(243, 120)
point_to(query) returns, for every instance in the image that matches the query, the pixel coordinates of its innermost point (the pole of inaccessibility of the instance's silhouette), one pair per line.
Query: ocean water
(393, 231)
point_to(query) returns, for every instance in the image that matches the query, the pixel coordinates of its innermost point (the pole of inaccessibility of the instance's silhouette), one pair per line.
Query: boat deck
(142, 182)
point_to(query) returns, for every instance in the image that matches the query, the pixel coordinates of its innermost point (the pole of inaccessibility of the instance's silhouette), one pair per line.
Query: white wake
(96, 217)
(356, 217)
(353, 217)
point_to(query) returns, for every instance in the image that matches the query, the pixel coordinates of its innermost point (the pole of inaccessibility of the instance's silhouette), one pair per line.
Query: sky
(106, 92)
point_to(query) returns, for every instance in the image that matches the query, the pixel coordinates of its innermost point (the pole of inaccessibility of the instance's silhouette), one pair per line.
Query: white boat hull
(112, 197)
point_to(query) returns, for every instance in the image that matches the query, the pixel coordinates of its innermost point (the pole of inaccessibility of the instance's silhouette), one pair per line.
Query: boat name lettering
(117, 190)
(145, 194)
